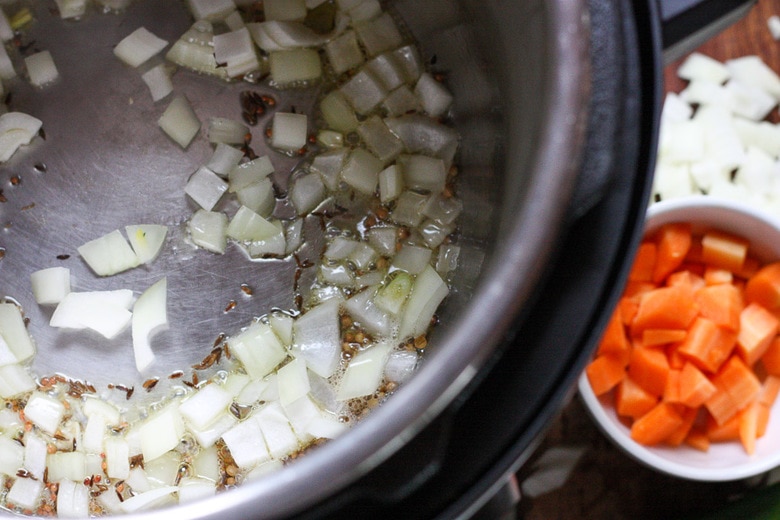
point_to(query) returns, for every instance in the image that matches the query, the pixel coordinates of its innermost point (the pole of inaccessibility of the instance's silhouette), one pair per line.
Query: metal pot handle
(686, 24)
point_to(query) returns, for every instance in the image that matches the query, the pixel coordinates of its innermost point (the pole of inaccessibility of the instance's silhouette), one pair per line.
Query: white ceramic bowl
(727, 460)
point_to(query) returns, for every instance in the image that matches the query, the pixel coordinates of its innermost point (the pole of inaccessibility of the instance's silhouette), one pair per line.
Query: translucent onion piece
(236, 51)
(228, 131)
(259, 197)
(293, 381)
(258, 349)
(205, 406)
(138, 47)
(41, 68)
(25, 493)
(277, 432)
(412, 259)
(329, 165)
(146, 240)
(316, 338)
(7, 70)
(344, 52)
(205, 188)
(149, 499)
(285, 10)
(105, 312)
(289, 131)
(307, 192)
(423, 135)
(391, 184)
(179, 121)
(159, 82)
(422, 172)
(247, 225)
(363, 310)
(208, 229)
(16, 129)
(44, 411)
(14, 381)
(211, 9)
(378, 138)
(362, 171)
(161, 432)
(338, 113)
(434, 97)
(224, 159)
(379, 35)
(14, 332)
(67, 9)
(364, 92)
(364, 373)
(400, 366)
(428, 292)
(294, 66)
(249, 173)
(150, 317)
(246, 444)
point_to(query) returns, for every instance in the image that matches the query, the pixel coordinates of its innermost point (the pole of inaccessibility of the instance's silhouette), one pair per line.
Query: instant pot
(557, 103)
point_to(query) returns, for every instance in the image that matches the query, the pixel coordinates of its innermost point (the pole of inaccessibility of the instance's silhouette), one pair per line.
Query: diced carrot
(631, 400)
(764, 287)
(724, 250)
(628, 308)
(674, 241)
(635, 289)
(664, 308)
(769, 390)
(614, 341)
(695, 255)
(717, 276)
(764, 412)
(695, 387)
(652, 337)
(739, 381)
(727, 431)
(749, 268)
(604, 373)
(672, 388)
(707, 344)
(698, 439)
(679, 435)
(649, 368)
(721, 304)
(721, 405)
(644, 263)
(748, 427)
(656, 425)
(686, 278)
(676, 360)
(771, 358)
(757, 328)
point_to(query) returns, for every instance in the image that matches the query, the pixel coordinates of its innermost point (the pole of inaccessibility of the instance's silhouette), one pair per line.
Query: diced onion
(70, 9)
(146, 240)
(258, 349)
(412, 259)
(344, 52)
(205, 406)
(378, 138)
(179, 121)
(44, 411)
(246, 225)
(41, 68)
(329, 165)
(362, 171)
(236, 51)
(246, 444)
(259, 197)
(205, 188)
(6, 32)
(224, 159)
(25, 493)
(16, 129)
(364, 92)
(287, 10)
(161, 433)
(50, 286)
(14, 381)
(289, 131)
(105, 312)
(148, 500)
(211, 9)
(72, 500)
(379, 35)
(364, 372)
(249, 173)
(307, 192)
(159, 82)
(208, 229)
(428, 292)
(338, 113)
(109, 254)
(138, 47)
(316, 338)
(294, 66)
(293, 381)
(228, 131)
(149, 318)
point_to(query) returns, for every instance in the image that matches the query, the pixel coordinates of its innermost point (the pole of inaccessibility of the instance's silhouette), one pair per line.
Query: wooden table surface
(605, 483)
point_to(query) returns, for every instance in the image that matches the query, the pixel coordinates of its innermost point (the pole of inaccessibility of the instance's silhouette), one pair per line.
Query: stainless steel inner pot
(520, 73)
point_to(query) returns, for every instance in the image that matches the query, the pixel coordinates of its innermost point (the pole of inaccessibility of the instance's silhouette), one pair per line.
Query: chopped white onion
(423, 173)
(364, 373)
(258, 349)
(401, 101)
(224, 159)
(383, 239)
(35, 451)
(95, 406)
(307, 192)
(246, 444)
(700, 66)
(249, 173)
(344, 52)
(16, 129)
(68, 9)
(386, 69)
(330, 139)
(752, 70)
(105, 312)
(149, 500)
(329, 165)
(205, 406)
(378, 138)
(363, 310)
(364, 92)
(44, 411)
(15, 380)
(211, 9)
(362, 171)
(289, 131)
(282, 325)
(179, 121)
(259, 197)
(428, 292)
(72, 500)
(228, 131)
(412, 259)
(41, 68)
(392, 296)
(234, 21)
(7, 70)
(138, 47)
(150, 317)
(293, 381)
(25, 493)
(146, 240)
(277, 432)
(400, 366)
(773, 23)
(340, 248)
(295, 66)
(408, 208)
(159, 82)
(50, 286)
(208, 229)
(194, 50)
(286, 10)
(379, 35)
(11, 456)
(109, 254)
(424, 135)
(205, 188)
(338, 113)
(211, 433)
(316, 338)
(117, 453)
(246, 225)
(192, 489)
(236, 51)
(161, 432)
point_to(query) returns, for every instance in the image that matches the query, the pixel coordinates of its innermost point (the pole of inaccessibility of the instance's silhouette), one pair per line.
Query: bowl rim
(608, 422)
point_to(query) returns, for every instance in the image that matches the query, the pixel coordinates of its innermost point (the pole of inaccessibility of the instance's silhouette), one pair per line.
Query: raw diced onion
(289, 131)
(224, 159)
(44, 411)
(14, 381)
(149, 500)
(249, 173)
(246, 444)
(258, 349)
(307, 192)
(378, 138)
(161, 432)
(228, 131)
(246, 225)
(204, 407)
(208, 229)
(105, 312)
(428, 292)
(72, 500)
(316, 338)
(146, 240)
(205, 188)
(109, 254)
(138, 47)
(259, 197)
(278, 435)
(16, 129)
(149, 318)
(25, 493)
(364, 372)
(159, 82)
(293, 381)
(179, 121)
(50, 286)
(41, 68)
(236, 51)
